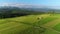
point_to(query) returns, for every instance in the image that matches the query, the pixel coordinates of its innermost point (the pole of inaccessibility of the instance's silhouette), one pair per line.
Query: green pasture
(25, 24)
(57, 27)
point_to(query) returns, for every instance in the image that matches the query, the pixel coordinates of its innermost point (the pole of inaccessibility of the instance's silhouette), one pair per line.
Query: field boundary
(51, 24)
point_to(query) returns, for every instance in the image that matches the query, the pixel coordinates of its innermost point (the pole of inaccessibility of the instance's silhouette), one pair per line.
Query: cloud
(21, 5)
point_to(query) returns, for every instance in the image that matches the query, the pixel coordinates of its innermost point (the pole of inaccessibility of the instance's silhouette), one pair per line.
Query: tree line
(8, 12)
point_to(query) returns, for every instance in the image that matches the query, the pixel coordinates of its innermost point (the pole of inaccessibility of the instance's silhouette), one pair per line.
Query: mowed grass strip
(47, 31)
(14, 28)
(6, 25)
(52, 23)
(57, 27)
(3, 21)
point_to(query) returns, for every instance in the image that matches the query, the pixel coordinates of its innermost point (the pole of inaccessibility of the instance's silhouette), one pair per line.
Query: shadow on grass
(32, 30)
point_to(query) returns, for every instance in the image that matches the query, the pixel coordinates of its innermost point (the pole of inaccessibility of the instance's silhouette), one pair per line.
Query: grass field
(31, 25)
(57, 27)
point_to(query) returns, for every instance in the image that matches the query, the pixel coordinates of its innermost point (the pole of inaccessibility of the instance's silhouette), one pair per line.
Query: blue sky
(55, 3)
(44, 2)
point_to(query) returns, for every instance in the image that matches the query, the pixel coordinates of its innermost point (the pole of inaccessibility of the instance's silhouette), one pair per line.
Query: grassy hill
(29, 24)
(14, 20)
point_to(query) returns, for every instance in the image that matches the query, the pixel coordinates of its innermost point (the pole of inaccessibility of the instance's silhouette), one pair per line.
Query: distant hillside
(10, 11)
(7, 12)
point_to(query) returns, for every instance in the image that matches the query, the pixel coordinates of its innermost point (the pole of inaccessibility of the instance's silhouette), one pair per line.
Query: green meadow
(30, 24)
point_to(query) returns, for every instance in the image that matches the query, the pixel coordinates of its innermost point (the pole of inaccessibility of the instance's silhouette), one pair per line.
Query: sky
(50, 3)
